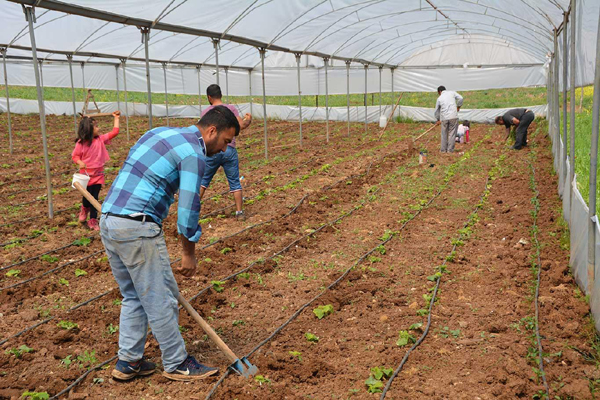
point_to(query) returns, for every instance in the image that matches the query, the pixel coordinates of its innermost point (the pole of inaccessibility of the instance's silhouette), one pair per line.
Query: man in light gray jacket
(446, 111)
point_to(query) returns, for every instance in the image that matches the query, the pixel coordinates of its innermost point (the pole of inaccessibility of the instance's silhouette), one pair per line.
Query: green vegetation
(323, 311)
(496, 98)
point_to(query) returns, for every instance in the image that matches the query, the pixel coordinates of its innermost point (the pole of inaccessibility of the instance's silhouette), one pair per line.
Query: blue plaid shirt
(163, 161)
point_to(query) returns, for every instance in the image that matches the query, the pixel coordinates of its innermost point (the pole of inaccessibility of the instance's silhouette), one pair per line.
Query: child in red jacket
(90, 155)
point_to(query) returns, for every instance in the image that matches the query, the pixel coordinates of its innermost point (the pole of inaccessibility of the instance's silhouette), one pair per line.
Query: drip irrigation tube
(536, 209)
(431, 303)
(35, 257)
(50, 271)
(37, 216)
(332, 285)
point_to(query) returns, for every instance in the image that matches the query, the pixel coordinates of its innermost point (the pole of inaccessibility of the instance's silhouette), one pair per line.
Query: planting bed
(389, 253)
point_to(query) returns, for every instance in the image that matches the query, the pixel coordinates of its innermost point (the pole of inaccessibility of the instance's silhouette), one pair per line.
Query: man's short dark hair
(214, 91)
(441, 89)
(221, 118)
(499, 119)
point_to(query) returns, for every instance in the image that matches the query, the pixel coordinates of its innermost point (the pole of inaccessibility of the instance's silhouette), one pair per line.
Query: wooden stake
(391, 116)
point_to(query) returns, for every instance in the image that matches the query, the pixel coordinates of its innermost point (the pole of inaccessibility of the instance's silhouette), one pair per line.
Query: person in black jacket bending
(520, 118)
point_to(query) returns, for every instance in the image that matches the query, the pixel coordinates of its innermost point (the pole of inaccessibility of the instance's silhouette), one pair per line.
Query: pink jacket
(94, 156)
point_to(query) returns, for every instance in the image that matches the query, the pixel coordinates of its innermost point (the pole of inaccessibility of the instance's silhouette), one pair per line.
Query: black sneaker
(125, 371)
(190, 370)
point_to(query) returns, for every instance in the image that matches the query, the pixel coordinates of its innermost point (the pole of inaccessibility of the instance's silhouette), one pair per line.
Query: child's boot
(83, 214)
(93, 224)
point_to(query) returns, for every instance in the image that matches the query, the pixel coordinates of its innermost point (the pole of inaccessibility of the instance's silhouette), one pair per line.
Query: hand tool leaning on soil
(423, 134)
(241, 366)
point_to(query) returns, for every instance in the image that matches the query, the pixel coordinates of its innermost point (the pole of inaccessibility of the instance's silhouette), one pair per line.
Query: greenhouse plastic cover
(470, 44)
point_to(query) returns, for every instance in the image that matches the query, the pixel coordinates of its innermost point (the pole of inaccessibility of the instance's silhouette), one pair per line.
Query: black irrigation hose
(431, 303)
(75, 307)
(38, 216)
(32, 177)
(536, 203)
(333, 284)
(82, 377)
(35, 257)
(50, 271)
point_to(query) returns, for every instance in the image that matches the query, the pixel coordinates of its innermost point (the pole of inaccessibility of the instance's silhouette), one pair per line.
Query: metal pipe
(380, 70)
(118, 93)
(556, 102)
(146, 39)
(10, 138)
(42, 78)
(30, 16)
(262, 63)
(126, 102)
(573, 101)
(348, 94)
(166, 96)
(227, 85)
(298, 55)
(326, 60)
(594, 168)
(393, 93)
(83, 76)
(366, 71)
(564, 93)
(199, 90)
(250, 89)
(70, 58)
(216, 45)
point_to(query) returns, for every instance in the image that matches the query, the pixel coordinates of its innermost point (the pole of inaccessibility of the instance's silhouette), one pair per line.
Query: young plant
(311, 337)
(18, 352)
(112, 329)
(68, 325)
(66, 361)
(405, 338)
(80, 272)
(323, 311)
(83, 242)
(35, 395)
(218, 286)
(296, 354)
(63, 281)
(226, 250)
(49, 259)
(13, 273)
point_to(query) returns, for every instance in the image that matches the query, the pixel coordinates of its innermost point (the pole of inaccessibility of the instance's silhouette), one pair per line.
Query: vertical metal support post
(126, 102)
(42, 77)
(393, 93)
(164, 65)
(262, 63)
(348, 94)
(380, 70)
(10, 138)
(594, 168)
(564, 93)
(366, 72)
(30, 17)
(556, 102)
(118, 92)
(70, 58)
(199, 90)
(573, 101)
(83, 76)
(146, 39)
(326, 60)
(216, 45)
(250, 88)
(227, 84)
(298, 55)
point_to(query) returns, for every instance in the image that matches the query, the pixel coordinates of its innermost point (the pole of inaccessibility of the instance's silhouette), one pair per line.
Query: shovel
(241, 366)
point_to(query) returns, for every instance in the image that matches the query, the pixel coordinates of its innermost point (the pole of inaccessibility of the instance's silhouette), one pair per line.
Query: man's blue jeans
(231, 165)
(140, 264)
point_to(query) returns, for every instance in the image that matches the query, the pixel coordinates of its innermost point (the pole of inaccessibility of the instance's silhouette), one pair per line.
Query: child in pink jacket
(90, 155)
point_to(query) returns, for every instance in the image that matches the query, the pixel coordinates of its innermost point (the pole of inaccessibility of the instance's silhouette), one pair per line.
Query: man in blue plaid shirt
(162, 162)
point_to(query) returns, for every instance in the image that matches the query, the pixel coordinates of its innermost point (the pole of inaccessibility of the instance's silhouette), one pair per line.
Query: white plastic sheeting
(278, 82)
(390, 33)
(287, 113)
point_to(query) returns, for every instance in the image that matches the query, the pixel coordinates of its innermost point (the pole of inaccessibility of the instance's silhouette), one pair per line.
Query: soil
(313, 212)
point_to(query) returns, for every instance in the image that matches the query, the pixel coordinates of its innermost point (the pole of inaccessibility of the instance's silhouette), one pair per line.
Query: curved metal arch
(22, 32)
(88, 37)
(294, 21)
(531, 52)
(402, 25)
(397, 26)
(526, 27)
(399, 51)
(180, 51)
(150, 43)
(228, 47)
(242, 15)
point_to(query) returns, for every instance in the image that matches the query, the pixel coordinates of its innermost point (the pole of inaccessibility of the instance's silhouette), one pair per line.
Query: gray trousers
(449, 128)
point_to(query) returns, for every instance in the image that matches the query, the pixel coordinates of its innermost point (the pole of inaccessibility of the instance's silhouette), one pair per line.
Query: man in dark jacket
(520, 118)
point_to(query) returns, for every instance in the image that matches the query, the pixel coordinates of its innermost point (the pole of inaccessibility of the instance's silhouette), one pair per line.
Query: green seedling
(311, 337)
(63, 281)
(116, 302)
(68, 325)
(323, 311)
(80, 272)
(13, 273)
(261, 379)
(36, 395)
(415, 326)
(18, 352)
(374, 385)
(88, 358)
(83, 242)
(380, 372)
(226, 250)
(49, 259)
(238, 322)
(296, 354)
(422, 312)
(405, 338)
(244, 275)
(218, 286)
(381, 249)
(66, 361)
(112, 329)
